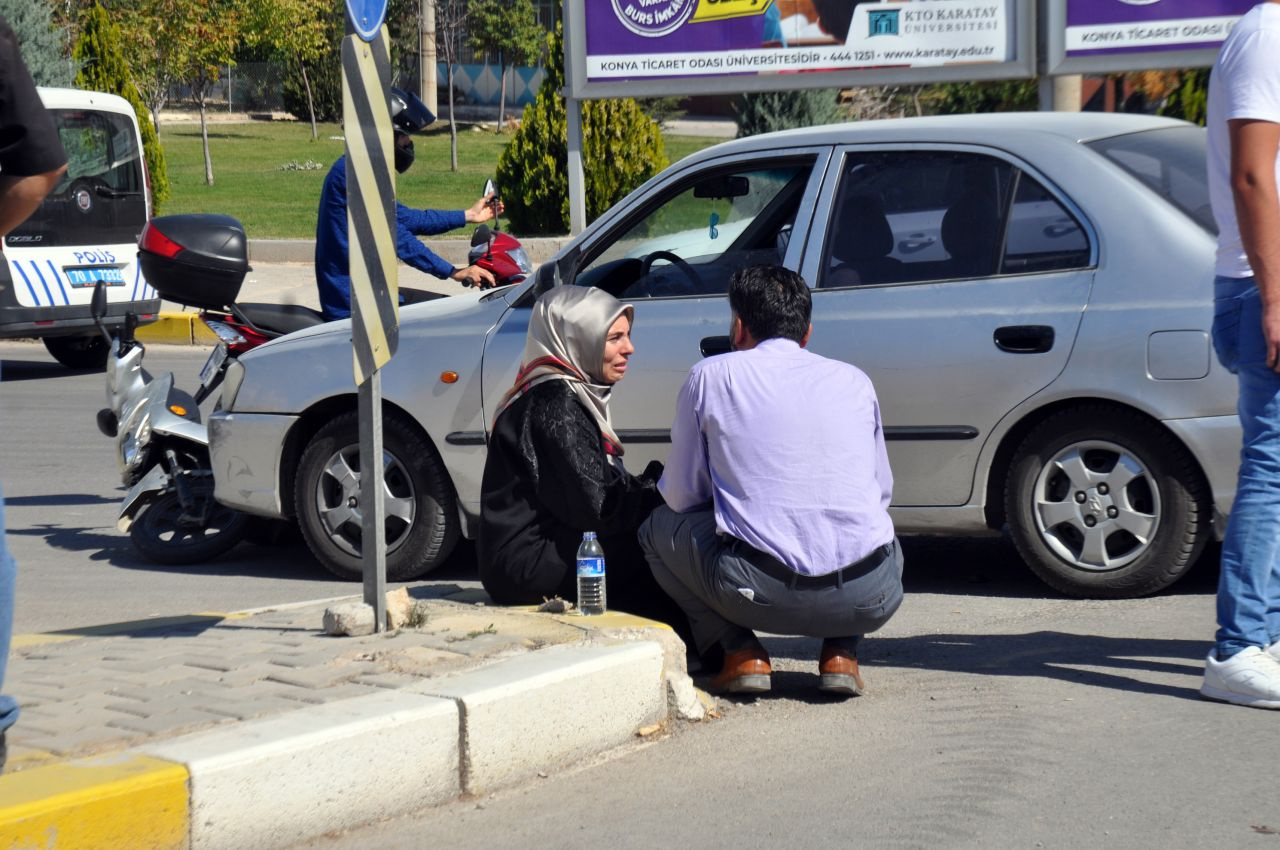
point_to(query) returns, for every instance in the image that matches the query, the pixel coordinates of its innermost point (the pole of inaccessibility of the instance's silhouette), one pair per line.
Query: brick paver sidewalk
(91, 695)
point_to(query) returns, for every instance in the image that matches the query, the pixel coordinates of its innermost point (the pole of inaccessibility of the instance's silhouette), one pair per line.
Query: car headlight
(521, 259)
(231, 382)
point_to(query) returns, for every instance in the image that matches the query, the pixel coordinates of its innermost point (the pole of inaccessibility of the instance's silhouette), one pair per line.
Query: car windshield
(100, 198)
(1171, 162)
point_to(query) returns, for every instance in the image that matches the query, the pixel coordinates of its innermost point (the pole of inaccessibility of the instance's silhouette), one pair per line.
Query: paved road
(998, 716)
(62, 493)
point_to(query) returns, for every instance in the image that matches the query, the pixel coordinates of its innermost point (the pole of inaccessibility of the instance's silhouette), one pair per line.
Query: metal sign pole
(577, 180)
(373, 531)
(375, 328)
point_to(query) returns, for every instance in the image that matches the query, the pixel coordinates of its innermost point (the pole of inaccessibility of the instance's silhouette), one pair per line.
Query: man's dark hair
(771, 301)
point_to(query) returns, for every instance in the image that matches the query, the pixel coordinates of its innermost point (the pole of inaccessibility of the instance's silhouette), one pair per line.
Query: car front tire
(1104, 503)
(421, 523)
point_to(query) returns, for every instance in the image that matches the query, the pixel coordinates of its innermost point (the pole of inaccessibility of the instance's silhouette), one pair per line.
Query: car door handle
(1024, 339)
(713, 345)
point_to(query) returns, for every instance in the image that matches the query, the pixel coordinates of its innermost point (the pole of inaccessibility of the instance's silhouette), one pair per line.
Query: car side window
(1043, 236)
(693, 238)
(908, 216)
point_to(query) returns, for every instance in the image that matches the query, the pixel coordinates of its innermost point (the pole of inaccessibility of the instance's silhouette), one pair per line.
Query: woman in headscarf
(554, 468)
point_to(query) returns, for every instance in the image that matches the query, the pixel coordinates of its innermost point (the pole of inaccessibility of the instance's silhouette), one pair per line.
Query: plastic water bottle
(590, 575)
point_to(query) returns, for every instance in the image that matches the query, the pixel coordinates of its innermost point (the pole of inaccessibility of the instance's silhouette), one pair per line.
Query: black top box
(199, 260)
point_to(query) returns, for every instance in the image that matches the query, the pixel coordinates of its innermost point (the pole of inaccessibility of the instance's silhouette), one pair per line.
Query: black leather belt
(774, 568)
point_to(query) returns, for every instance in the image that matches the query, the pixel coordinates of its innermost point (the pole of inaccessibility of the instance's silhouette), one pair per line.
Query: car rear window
(1169, 161)
(100, 200)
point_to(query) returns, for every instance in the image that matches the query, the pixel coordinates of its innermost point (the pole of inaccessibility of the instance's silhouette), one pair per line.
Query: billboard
(660, 47)
(1107, 36)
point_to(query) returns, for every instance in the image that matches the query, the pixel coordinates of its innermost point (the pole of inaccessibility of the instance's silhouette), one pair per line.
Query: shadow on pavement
(34, 370)
(1116, 663)
(991, 566)
(59, 500)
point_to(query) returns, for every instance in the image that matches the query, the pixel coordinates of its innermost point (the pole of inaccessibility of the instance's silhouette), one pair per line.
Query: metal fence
(259, 86)
(244, 87)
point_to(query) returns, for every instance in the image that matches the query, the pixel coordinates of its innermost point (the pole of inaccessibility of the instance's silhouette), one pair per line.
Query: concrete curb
(284, 779)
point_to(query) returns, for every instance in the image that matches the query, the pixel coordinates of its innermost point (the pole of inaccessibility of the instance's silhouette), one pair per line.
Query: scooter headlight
(133, 447)
(521, 259)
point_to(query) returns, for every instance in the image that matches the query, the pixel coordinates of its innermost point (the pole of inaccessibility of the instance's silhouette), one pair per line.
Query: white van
(85, 231)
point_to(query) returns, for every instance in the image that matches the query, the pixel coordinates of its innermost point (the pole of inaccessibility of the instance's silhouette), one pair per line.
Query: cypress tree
(621, 148)
(103, 68)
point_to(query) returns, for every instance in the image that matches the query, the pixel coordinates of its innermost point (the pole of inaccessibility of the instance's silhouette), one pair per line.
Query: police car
(85, 231)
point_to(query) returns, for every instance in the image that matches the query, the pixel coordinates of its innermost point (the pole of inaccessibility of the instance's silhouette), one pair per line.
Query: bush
(995, 96)
(1189, 100)
(103, 68)
(622, 148)
(764, 112)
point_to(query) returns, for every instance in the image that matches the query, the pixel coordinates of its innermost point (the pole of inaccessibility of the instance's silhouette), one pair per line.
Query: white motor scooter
(163, 454)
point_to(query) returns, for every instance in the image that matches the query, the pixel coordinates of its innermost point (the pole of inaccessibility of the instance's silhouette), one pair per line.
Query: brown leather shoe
(838, 672)
(746, 671)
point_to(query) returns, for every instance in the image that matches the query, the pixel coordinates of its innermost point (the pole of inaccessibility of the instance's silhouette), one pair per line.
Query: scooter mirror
(98, 303)
(481, 236)
(98, 309)
(490, 189)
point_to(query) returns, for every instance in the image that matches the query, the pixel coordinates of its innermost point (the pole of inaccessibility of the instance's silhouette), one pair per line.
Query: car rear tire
(79, 352)
(1104, 503)
(421, 519)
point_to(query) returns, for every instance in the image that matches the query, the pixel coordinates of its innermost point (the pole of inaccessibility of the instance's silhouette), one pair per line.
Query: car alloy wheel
(1096, 505)
(337, 495)
(1103, 501)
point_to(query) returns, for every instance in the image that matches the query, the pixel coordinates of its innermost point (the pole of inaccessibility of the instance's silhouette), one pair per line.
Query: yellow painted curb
(177, 329)
(116, 801)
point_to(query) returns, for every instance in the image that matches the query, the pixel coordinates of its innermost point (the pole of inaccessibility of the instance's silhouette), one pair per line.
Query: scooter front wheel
(162, 535)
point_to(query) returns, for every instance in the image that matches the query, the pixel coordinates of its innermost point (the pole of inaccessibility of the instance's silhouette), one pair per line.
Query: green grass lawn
(272, 203)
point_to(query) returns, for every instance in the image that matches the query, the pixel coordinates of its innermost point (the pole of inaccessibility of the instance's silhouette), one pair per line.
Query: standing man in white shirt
(1244, 169)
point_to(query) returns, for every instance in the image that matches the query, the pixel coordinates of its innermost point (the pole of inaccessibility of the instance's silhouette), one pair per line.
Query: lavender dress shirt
(788, 447)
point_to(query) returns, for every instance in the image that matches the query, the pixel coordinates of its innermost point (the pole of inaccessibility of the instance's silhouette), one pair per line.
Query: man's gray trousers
(722, 591)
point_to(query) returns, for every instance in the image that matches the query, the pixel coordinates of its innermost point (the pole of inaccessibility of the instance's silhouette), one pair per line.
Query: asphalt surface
(997, 714)
(62, 493)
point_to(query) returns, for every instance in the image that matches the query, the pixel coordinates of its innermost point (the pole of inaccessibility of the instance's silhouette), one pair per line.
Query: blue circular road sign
(366, 17)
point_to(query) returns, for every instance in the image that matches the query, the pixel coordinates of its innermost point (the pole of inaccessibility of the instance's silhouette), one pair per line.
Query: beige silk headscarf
(565, 342)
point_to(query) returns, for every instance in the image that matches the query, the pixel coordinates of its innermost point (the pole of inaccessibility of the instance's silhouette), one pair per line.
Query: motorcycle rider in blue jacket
(333, 278)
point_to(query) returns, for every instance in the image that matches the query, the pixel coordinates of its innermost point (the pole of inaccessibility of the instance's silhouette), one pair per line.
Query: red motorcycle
(241, 327)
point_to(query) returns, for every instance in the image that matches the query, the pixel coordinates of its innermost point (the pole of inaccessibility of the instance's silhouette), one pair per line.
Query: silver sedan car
(1030, 294)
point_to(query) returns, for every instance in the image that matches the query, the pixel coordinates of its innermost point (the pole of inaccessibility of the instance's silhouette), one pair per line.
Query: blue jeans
(8, 578)
(1249, 587)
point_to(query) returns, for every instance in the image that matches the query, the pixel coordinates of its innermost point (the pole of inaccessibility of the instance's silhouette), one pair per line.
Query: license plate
(79, 276)
(211, 366)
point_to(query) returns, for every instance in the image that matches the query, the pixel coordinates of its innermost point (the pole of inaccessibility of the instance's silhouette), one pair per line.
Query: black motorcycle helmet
(409, 115)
